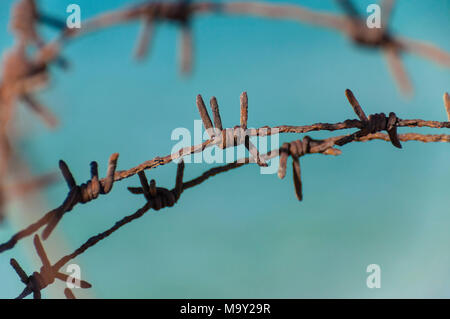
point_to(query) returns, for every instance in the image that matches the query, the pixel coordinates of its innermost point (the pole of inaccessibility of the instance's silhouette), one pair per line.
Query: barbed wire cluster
(369, 128)
(45, 277)
(26, 73)
(352, 24)
(23, 75)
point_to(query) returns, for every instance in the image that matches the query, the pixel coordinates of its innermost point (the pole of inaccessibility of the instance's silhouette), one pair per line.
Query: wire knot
(380, 122)
(81, 193)
(160, 197)
(38, 281)
(47, 275)
(229, 137)
(176, 11)
(297, 149)
(374, 123)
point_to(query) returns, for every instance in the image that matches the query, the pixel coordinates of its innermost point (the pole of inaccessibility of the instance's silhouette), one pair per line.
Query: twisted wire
(47, 275)
(369, 128)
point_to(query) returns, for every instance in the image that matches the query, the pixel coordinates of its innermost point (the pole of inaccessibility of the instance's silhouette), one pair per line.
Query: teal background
(243, 234)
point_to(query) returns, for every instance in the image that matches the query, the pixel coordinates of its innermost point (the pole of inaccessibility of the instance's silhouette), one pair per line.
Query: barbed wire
(45, 277)
(369, 128)
(24, 75)
(352, 24)
(231, 137)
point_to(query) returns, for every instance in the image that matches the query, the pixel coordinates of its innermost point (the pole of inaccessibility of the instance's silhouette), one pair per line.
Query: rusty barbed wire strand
(30, 75)
(232, 137)
(352, 24)
(45, 277)
(158, 197)
(164, 200)
(25, 18)
(34, 76)
(77, 195)
(22, 77)
(83, 193)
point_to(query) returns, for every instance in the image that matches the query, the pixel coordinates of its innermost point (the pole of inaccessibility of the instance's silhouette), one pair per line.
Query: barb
(447, 104)
(83, 193)
(232, 136)
(47, 275)
(368, 128)
(352, 24)
(25, 17)
(159, 198)
(150, 13)
(77, 195)
(24, 75)
(373, 124)
(144, 38)
(300, 148)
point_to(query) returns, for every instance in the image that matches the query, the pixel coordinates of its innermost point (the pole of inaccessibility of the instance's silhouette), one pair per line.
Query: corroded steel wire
(369, 128)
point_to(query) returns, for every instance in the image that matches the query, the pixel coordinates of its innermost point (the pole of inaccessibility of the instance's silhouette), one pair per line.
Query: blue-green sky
(243, 234)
